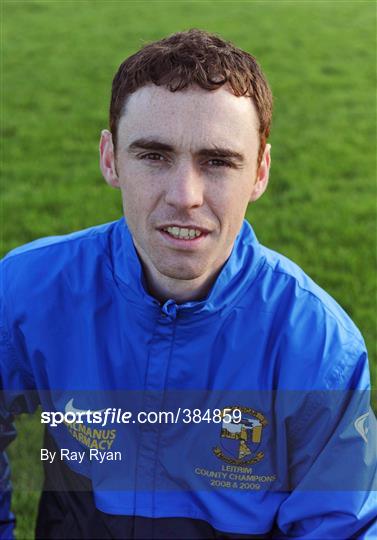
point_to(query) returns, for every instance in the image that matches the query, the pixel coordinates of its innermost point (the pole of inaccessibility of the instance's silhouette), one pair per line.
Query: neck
(163, 287)
(181, 290)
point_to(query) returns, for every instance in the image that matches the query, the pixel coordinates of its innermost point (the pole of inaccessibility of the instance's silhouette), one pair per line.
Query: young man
(177, 308)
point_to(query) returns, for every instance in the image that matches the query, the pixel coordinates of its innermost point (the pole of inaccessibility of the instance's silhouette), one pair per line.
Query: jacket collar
(237, 274)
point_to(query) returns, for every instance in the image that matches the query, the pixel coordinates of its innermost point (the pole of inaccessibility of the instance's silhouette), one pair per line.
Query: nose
(185, 187)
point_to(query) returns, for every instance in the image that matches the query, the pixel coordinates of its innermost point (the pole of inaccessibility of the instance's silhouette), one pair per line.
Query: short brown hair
(189, 58)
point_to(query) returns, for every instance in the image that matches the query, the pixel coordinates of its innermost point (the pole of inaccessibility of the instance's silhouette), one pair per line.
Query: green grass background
(58, 59)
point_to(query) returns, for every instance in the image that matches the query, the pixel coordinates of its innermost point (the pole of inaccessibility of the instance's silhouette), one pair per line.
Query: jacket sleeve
(7, 434)
(16, 396)
(333, 463)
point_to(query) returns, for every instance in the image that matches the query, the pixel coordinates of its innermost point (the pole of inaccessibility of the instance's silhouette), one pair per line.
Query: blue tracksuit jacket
(79, 332)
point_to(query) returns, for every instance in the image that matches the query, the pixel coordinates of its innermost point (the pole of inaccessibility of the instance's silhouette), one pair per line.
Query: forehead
(192, 116)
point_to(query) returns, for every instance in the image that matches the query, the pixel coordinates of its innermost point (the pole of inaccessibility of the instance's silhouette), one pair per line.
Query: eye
(215, 162)
(152, 156)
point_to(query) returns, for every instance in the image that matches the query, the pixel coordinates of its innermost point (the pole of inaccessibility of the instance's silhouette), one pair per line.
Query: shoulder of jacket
(308, 296)
(319, 346)
(40, 261)
(49, 244)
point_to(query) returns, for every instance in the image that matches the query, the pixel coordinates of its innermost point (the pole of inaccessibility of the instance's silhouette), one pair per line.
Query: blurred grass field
(58, 59)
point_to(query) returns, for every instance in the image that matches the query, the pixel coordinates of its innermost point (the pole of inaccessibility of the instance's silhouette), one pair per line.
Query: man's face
(186, 164)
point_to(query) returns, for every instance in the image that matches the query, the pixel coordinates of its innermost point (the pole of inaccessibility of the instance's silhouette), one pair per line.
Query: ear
(107, 159)
(263, 173)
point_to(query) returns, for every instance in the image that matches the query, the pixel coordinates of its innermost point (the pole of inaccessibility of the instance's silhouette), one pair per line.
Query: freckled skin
(181, 185)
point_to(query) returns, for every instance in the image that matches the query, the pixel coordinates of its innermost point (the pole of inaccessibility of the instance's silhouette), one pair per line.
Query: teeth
(183, 233)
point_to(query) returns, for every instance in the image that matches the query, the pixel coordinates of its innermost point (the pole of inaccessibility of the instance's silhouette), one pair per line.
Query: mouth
(183, 236)
(183, 233)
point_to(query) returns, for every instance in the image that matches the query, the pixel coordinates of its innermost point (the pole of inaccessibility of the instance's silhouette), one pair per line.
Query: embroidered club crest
(241, 436)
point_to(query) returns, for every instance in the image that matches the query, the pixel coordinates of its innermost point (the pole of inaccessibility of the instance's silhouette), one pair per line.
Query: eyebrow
(215, 151)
